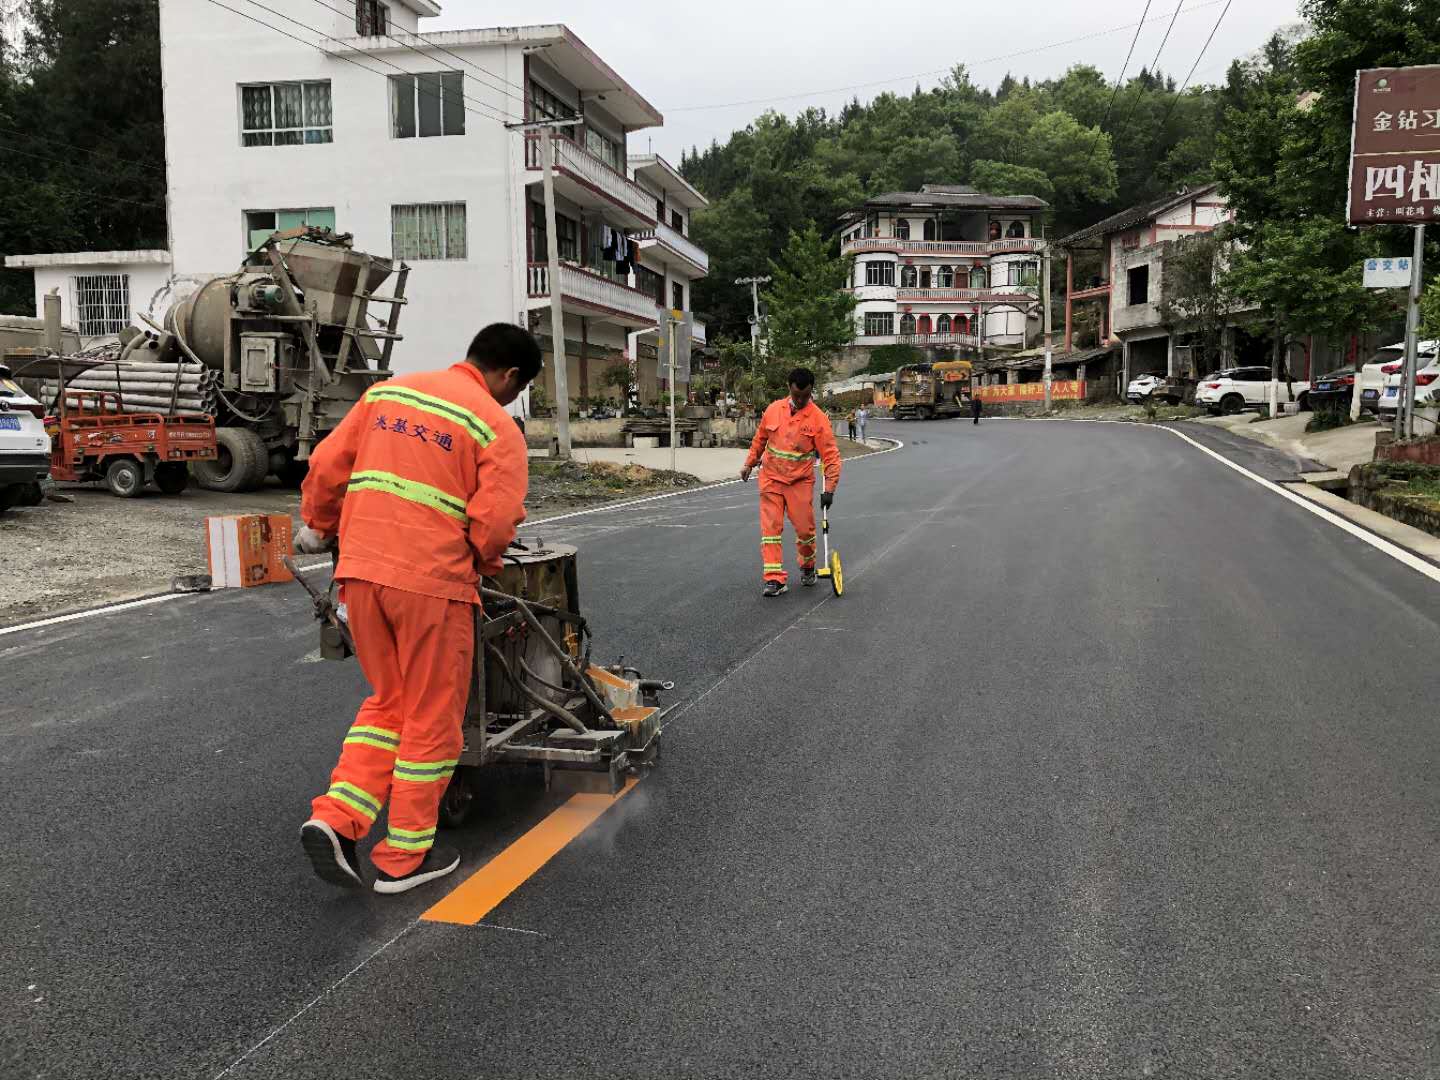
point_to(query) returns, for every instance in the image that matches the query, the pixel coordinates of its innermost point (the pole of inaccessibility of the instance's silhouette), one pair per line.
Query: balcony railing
(962, 248)
(946, 296)
(584, 167)
(677, 242)
(971, 340)
(582, 286)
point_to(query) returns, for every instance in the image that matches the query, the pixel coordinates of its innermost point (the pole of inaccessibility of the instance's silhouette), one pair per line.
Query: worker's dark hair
(501, 346)
(802, 378)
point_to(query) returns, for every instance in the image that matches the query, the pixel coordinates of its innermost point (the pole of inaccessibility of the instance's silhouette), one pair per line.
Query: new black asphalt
(1110, 763)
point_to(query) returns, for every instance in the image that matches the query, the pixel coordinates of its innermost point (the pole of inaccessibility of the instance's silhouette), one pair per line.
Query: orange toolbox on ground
(247, 549)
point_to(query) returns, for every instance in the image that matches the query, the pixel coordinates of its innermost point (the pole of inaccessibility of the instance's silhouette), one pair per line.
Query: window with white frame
(428, 231)
(426, 104)
(1023, 273)
(909, 277)
(879, 323)
(101, 303)
(879, 273)
(902, 229)
(286, 114)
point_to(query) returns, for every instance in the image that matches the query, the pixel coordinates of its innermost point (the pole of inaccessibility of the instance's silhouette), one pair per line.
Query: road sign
(1395, 147)
(1387, 273)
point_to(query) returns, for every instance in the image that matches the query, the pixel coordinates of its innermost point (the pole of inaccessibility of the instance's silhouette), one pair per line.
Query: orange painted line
(483, 891)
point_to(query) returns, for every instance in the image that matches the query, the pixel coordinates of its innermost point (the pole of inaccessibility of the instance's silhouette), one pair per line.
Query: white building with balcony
(941, 267)
(344, 114)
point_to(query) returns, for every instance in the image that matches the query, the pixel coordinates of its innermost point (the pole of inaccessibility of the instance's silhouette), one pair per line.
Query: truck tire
(242, 464)
(172, 477)
(125, 477)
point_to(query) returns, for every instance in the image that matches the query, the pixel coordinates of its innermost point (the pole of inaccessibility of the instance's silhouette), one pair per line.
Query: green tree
(1002, 178)
(81, 119)
(812, 317)
(888, 358)
(1430, 311)
(1193, 298)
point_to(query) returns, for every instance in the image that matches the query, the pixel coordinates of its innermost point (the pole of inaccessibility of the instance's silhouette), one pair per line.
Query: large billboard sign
(1395, 147)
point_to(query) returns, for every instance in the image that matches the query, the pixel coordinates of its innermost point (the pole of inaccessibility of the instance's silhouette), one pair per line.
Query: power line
(937, 71)
(78, 149)
(488, 113)
(1120, 79)
(502, 84)
(1154, 66)
(1175, 101)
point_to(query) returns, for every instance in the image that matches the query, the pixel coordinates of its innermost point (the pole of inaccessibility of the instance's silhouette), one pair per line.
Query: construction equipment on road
(830, 560)
(536, 698)
(931, 391)
(91, 438)
(276, 352)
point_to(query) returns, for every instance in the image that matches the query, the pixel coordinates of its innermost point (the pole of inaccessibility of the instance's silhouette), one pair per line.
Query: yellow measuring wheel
(832, 568)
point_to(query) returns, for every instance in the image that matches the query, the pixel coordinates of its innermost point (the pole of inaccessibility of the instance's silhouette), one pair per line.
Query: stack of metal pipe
(178, 389)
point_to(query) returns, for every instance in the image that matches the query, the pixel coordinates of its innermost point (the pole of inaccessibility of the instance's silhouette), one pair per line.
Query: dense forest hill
(1079, 142)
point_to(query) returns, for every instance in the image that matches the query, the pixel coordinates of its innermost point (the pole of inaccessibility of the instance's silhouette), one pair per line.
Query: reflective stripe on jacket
(425, 482)
(789, 441)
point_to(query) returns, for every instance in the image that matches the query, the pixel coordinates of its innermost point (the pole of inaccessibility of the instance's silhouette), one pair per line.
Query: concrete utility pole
(1405, 415)
(754, 283)
(672, 321)
(1277, 352)
(1049, 338)
(552, 273)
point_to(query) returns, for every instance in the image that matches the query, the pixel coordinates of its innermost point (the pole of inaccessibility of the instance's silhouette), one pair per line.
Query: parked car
(1237, 389)
(1142, 386)
(1428, 370)
(24, 446)
(1380, 367)
(1334, 391)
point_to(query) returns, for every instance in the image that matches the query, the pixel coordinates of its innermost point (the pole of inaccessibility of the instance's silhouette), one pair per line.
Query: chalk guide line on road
(147, 601)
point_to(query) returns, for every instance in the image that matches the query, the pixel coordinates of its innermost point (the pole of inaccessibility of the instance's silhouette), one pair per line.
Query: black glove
(827, 499)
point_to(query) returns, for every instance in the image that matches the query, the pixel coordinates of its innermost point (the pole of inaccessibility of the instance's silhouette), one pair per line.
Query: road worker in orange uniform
(424, 483)
(792, 434)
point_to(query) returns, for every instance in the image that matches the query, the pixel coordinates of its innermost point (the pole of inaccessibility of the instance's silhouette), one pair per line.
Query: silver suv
(24, 445)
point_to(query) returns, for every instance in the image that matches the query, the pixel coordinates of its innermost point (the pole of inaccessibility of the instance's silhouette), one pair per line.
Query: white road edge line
(90, 613)
(1399, 554)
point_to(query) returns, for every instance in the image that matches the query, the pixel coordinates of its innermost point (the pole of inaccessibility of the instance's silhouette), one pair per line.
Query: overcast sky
(680, 55)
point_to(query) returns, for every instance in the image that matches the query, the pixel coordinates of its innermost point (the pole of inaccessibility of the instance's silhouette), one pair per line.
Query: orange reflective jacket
(425, 480)
(788, 442)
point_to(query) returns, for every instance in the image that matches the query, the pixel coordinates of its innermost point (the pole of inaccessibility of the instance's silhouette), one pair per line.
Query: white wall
(145, 280)
(207, 53)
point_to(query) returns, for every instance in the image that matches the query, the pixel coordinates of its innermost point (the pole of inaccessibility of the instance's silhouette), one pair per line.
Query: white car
(1142, 386)
(1428, 364)
(1237, 389)
(24, 445)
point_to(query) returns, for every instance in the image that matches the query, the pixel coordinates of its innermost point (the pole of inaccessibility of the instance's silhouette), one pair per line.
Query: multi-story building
(946, 268)
(341, 113)
(1133, 245)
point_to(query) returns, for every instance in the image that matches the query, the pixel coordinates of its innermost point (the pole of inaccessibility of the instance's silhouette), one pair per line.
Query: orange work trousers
(416, 651)
(797, 501)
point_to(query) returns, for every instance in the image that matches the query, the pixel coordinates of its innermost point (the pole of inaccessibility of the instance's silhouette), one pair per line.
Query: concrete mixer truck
(287, 344)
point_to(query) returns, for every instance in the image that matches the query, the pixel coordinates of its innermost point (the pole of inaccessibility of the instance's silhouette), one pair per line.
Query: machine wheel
(172, 477)
(125, 478)
(1231, 404)
(242, 462)
(458, 801)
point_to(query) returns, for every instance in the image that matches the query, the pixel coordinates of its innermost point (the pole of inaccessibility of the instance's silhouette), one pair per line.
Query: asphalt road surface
(1110, 763)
